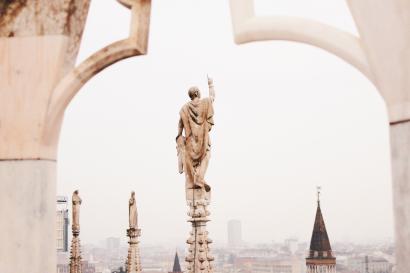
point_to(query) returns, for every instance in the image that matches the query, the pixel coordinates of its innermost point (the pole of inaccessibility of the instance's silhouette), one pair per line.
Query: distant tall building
(177, 267)
(234, 233)
(320, 257)
(275, 265)
(368, 264)
(291, 245)
(62, 224)
(112, 243)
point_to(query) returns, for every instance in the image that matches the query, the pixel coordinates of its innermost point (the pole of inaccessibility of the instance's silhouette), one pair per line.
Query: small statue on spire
(132, 210)
(75, 259)
(133, 263)
(76, 200)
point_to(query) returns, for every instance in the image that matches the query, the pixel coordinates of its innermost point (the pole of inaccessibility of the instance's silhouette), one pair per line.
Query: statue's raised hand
(210, 81)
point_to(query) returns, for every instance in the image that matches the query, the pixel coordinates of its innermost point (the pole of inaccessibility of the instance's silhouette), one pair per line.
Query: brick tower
(320, 259)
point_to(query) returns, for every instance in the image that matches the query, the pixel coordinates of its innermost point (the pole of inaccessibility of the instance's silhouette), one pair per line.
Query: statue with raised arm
(132, 210)
(193, 143)
(76, 200)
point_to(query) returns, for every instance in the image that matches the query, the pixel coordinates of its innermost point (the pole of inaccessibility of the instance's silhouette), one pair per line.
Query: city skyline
(350, 258)
(123, 241)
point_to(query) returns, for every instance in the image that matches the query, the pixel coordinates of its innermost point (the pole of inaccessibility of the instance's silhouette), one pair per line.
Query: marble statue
(76, 210)
(133, 262)
(193, 143)
(133, 216)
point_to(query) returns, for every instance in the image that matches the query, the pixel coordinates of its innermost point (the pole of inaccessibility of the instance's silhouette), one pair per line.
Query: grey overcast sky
(288, 117)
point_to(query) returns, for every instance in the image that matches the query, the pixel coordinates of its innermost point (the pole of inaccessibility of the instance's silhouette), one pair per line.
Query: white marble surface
(28, 216)
(400, 152)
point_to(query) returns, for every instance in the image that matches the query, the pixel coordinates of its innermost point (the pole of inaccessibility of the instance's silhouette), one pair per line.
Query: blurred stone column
(39, 41)
(400, 152)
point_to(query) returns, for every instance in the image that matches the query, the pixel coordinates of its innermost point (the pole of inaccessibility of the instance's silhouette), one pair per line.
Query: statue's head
(194, 92)
(133, 194)
(76, 191)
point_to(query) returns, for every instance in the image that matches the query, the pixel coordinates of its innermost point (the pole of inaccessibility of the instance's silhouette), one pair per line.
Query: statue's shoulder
(184, 107)
(207, 100)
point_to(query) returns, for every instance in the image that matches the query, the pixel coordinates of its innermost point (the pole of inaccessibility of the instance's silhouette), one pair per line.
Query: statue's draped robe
(196, 117)
(133, 213)
(76, 211)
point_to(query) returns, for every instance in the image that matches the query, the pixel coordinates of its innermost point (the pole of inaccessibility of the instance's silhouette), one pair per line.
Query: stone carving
(133, 262)
(194, 147)
(75, 258)
(132, 210)
(76, 211)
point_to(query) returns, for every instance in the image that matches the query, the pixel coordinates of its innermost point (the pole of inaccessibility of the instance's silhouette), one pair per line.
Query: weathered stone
(133, 262)
(400, 153)
(75, 258)
(45, 18)
(196, 120)
(28, 211)
(39, 41)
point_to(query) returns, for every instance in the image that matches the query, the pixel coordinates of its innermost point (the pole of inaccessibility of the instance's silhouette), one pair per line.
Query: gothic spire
(177, 267)
(320, 240)
(320, 252)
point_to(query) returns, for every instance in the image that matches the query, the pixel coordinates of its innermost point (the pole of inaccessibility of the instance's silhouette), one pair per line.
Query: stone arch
(249, 28)
(381, 54)
(136, 44)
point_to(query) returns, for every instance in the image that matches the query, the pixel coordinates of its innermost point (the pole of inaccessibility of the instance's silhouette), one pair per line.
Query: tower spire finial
(318, 188)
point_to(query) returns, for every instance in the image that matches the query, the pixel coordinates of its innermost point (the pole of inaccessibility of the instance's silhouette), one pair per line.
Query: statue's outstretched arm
(211, 88)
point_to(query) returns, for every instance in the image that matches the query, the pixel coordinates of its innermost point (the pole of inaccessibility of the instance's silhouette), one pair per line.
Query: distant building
(276, 265)
(62, 224)
(63, 259)
(234, 233)
(177, 267)
(320, 257)
(86, 267)
(369, 264)
(112, 243)
(291, 245)
(119, 270)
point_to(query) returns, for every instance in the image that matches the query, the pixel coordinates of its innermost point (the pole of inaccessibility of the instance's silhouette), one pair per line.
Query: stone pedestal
(75, 259)
(199, 257)
(133, 264)
(400, 153)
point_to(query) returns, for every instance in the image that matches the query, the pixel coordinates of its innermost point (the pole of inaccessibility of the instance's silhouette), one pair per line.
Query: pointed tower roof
(319, 244)
(177, 267)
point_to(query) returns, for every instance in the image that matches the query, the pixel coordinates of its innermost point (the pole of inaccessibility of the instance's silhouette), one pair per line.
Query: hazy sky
(288, 117)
